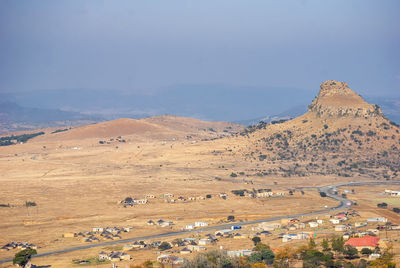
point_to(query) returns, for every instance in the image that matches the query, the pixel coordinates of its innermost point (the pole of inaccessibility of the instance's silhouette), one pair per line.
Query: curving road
(344, 203)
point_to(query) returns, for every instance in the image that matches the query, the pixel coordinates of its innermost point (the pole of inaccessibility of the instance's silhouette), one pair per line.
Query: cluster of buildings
(114, 256)
(259, 193)
(339, 222)
(18, 245)
(97, 233)
(169, 198)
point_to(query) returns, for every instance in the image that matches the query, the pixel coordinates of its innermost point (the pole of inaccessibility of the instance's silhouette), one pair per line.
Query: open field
(78, 189)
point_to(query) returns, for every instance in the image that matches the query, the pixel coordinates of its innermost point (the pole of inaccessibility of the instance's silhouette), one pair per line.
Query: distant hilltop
(337, 99)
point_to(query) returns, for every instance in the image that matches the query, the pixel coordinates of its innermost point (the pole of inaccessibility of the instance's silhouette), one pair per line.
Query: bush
(21, 258)
(382, 205)
(350, 252)
(164, 246)
(231, 218)
(262, 253)
(256, 240)
(396, 210)
(322, 194)
(366, 251)
(233, 175)
(30, 204)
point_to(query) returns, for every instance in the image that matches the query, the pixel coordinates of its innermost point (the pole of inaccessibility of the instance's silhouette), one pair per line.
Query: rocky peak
(336, 99)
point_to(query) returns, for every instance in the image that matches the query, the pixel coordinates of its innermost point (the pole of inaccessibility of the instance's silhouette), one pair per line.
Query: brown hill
(340, 134)
(119, 127)
(186, 124)
(155, 128)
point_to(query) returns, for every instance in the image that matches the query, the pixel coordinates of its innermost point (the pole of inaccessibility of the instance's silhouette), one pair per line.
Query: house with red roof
(367, 241)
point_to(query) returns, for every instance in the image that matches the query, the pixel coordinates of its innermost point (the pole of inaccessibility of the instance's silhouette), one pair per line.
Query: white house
(335, 221)
(340, 228)
(378, 219)
(200, 224)
(239, 253)
(360, 224)
(223, 232)
(98, 229)
(313, 224)
(204, 241)
(166, 224)
(189, 227)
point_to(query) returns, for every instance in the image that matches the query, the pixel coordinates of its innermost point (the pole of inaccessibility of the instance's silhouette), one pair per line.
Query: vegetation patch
(11, 140)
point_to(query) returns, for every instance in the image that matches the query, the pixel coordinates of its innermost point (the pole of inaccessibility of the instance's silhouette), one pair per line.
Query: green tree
(350, 252)
(164, 246)
(263, 253)
(325, 245)
(256, 240)
(338, 243)
(366, 251)
(311, 243)
(21, 258)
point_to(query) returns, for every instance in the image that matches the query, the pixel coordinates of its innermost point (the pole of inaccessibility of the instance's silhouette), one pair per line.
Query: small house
(340, 228)
(200, 224)
(360, 224)
(204, 241)
(185, 251)
(239, 253)
(238, 236)
(335, 221)
(69, 235)
(223, 232)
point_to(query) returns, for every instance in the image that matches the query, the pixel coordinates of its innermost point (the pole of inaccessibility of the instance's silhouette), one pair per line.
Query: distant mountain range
(243, 105)
(14, 117)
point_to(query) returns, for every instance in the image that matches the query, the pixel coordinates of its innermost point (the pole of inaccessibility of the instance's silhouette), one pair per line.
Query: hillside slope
(340, 134)
(153, 128)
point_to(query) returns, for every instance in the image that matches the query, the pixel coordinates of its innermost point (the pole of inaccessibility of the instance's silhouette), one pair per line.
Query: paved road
(329, 189)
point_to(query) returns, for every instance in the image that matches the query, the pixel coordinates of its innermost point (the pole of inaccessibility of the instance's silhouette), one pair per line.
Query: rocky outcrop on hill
(336, 99)
(340, 134)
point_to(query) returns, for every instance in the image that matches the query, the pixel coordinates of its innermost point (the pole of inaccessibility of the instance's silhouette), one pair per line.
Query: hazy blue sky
(145, 46)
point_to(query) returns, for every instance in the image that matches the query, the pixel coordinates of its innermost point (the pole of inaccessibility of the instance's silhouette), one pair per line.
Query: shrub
(396, 210)
(322, 194)
(21, 258)
(366, 251)
(382, 205)
(256, 240)
(30, 204)
(164, 246)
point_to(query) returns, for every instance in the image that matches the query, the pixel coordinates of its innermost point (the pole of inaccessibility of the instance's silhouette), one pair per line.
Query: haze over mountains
(243, 105)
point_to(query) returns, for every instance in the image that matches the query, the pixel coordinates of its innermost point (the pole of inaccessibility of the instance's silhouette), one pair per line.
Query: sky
(145, 47)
